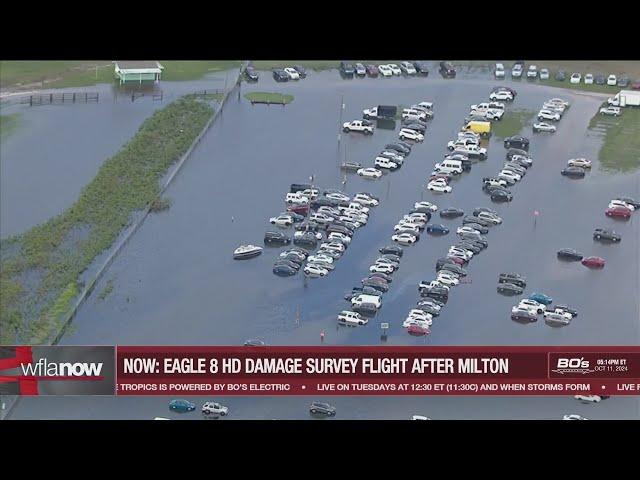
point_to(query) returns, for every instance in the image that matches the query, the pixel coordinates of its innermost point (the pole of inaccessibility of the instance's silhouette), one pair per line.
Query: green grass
(106, 291)
(8, 124)
(53, 318)
(620, 151)
(269, 97)
(127, 182)
(63, 73)
(512, 123)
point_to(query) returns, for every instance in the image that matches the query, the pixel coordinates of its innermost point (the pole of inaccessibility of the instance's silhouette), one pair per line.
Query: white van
(372, 299)
(449, 166)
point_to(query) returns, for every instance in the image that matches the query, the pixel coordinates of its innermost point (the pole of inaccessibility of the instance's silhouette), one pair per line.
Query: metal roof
(138, 65)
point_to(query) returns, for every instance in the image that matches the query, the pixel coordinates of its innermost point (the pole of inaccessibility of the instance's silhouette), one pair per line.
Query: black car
(521, 161)
(422, 68)
(512, 278)
(567, 309)
(322, 408)
(351, 166)
(444, 261)
(623, 81)
(299, 250)
(501, 196)
(288, 263)
(347, 69)
(251, 74)
(573, 172)
(510, 289)
(488, 188)
(452, 267)
(284, 270)
(398, 148)
(424, 210)
(447, 70)
(376, 285)
(292, 257)
(307, 226)
(340, 229)
(631, 201)
(516, 151)
(323, 202)
(517, 141)
(469, 246)
(392, 257)
(560, 76)
(476, 226)
(422, 303)
(599, 79)
(429, 308)
(480, 221)
(451, 213)
(366, 309)
(383, 276)
(277, 238)
(606, 235)
(309, 240)
(301, 71)
(478, 210)
(280, 75)
(298, 187)
(439, 293)
(570, 254)
(524, 316)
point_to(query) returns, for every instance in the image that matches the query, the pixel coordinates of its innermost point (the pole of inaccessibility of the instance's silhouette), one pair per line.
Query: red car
(620, 212)
(459, 261)
(301, 209)
(593, 262)
(445, 176)
(418, 331)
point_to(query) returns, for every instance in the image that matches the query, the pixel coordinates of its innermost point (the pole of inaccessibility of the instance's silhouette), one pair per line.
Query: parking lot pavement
(176, 281)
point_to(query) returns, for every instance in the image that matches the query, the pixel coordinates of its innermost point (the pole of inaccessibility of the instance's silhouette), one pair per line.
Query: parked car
(556, 319)
(502, 95)
(182, 406)
(600, 79)
(501, 196)
(512, 278)
(398, 147)
(570, 254)
(588, 79)
(369, 173)
(574, 416)
(618, 212)
(532, 71)
(364, 126)
(541, 298)
(292, 72)
(544, 74)
(385, 71)
(276, 238)
(405, 238)
(611, 111)
(408, 134)
(437, 229)
(372, 70)
(347, 69)
(251, 74)
(447, 70)
(574, 172)
(392, 249)
(560, 76)
(360, 70)
(575, 78)
(533, 305)
(284, 270)
(517, 141)
(301, 71)
(214, 408)
(523, 315)
(451, 213)
(509, 289)
(422, 68)
(579, 162)
(623, 81)
(322, 408)
(606, 235)
(546, 114)
(544, 127)
(408, 68)
(254, 343)
(349, 317)
(593, 262)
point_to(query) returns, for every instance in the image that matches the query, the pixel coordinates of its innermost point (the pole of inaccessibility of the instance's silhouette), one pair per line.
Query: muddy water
(176, 283)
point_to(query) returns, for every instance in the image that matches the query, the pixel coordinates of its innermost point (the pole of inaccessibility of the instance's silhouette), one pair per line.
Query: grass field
(269, 97)
(63, 73)
(39, 268)
(620, 151)
(8, 124)
(512, 123)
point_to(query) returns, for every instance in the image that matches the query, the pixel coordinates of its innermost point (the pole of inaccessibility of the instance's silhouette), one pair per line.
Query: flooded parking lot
(176, 281)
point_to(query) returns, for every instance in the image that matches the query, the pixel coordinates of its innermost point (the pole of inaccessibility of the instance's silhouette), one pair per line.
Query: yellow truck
(481, 128)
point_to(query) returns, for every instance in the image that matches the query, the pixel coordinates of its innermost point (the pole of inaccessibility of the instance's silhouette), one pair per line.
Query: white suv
(348, 317)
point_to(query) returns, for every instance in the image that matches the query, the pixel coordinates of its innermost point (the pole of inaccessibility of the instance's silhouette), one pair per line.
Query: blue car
(437, 228)
(182, 406)
(541, 298)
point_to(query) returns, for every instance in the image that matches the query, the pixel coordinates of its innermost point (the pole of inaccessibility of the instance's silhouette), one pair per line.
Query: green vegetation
(8, 124)
(160, 205)
(106, 291)
(63, 73)
(269, 97)
(620, 151)
(37, 266)
(512, 123)
(40, 330)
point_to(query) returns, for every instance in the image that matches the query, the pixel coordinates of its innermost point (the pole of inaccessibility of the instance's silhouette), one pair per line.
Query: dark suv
(347, 69)
(447, 70)
(422, 68)
(251, 74)
(513, 278)
(277, 238)
(517, 141)
(322, 408)
(280, 75)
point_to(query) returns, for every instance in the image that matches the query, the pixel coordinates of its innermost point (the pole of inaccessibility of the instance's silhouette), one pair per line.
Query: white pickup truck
(363, 126)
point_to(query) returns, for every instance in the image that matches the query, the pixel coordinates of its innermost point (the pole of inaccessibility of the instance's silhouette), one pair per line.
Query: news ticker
(325, 370)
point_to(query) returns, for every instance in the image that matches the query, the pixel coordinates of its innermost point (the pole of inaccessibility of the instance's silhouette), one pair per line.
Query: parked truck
(380, 112)
(625, 98)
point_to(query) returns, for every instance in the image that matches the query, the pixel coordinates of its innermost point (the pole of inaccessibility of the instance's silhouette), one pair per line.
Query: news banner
(326, 370)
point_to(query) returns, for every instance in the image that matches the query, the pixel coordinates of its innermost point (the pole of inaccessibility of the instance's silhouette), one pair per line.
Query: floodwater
(57, 149)
(176, 281)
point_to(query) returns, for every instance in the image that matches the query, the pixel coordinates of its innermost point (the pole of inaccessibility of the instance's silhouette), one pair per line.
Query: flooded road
(176, 281)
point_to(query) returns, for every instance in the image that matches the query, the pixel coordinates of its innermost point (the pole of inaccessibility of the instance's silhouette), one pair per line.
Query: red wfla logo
(566, 365)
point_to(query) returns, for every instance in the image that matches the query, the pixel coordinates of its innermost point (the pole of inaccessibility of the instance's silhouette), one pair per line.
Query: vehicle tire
(346, 130)
(223, 414)
(597, 237)
(206, 412)
(332, 414)
(507, 144)
(360, 323)
(314, 412)
(402, 137)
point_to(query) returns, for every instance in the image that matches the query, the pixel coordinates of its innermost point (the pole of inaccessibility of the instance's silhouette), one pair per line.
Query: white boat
(246, 251)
